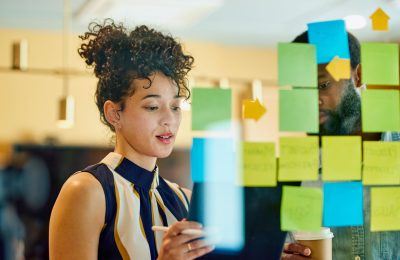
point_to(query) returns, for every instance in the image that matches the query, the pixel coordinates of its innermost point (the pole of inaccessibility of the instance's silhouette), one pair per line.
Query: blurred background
(50, 125)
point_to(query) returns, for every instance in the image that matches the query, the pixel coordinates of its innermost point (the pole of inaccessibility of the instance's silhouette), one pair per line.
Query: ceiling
(260, 23)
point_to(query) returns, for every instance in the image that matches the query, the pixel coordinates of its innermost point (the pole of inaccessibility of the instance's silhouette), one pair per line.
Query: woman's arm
(77, 219)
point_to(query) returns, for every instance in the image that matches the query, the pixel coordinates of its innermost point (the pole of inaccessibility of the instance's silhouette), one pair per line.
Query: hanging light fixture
(66, 104)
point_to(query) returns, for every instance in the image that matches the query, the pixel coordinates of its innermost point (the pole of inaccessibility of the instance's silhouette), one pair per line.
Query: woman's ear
(111, 113)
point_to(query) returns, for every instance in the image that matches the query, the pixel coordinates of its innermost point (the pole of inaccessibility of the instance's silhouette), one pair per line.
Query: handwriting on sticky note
(298, 158)
(385, 209)
(259, 164)
(301, 208)
(381, 163)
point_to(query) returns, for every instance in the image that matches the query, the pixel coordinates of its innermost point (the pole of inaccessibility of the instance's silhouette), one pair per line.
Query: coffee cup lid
(315, 235)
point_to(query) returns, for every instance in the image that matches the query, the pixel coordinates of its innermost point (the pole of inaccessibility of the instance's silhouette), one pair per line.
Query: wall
(28, 100)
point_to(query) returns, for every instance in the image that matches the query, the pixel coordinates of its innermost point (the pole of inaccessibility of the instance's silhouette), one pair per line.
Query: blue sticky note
(343, 204)
(213, 160)
(331, 40)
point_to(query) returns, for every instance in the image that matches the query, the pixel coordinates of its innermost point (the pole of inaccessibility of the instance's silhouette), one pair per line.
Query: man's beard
(346, 119)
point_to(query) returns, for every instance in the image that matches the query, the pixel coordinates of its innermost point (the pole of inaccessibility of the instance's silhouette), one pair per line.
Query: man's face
(339, 104)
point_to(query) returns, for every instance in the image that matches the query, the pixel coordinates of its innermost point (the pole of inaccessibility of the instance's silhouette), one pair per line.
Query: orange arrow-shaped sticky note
(339, 68)
(253, 109)
(380, 20)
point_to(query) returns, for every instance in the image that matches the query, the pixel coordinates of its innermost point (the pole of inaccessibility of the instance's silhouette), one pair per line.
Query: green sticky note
(341, 158)
(298, 159)
(259, 164)
(298, 110)
(301, 208)
(380, 63)
(385, 209)
(380, 110)
(211, 109)
(381, 163)
(297, 65)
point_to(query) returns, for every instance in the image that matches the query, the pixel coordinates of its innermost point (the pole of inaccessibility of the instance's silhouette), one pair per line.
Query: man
(340, 114)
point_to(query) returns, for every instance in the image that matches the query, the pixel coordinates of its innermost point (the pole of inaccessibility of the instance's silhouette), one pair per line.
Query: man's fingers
(297, 249)
(294, 257)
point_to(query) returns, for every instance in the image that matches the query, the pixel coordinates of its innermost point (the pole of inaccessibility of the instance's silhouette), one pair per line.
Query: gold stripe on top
(163, 210)
(140, 217)
(152, 216)
(161, 205)
(119, 163)
(120, 246)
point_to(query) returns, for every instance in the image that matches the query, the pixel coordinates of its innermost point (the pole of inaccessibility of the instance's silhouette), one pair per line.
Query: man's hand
(296, 251)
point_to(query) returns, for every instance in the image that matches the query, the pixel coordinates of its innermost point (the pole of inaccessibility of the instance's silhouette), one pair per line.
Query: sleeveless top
(136, 199)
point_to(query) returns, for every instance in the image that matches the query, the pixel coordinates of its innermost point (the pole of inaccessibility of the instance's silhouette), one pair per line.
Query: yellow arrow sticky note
(380, 20)
(253, 109)
(339, 68)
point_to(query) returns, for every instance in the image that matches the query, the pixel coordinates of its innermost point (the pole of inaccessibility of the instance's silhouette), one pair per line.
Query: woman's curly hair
(119, 57)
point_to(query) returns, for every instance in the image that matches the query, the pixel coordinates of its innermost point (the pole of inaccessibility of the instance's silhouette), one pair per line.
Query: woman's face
(150, 119)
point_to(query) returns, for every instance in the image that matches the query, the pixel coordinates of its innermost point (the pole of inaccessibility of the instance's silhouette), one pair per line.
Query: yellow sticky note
(381, 163)
(298, 158)
(259, 164)
(253, 109)
(339, 68)
(380, 20)
(385, 209)
(341, 158)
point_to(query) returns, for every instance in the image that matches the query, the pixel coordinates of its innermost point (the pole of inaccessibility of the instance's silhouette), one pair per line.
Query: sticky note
(341, 158)
(380, 110)
(211, 109)
(298, 110)
(259, 164)
(213, 160)
(380, 63)
(380, 20)
(381, 163)
(253, 109)
(385, 209)
(298, 158)
(343, 204)
(297, 65)
(330, 38)
(339, 68)
(301, 208)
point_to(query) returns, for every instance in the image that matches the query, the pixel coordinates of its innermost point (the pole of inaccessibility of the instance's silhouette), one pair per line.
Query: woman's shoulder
(82, 189)
(77, 216)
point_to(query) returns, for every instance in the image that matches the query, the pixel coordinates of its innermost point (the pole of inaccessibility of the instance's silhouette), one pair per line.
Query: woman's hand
(295, 251)
(179, 246)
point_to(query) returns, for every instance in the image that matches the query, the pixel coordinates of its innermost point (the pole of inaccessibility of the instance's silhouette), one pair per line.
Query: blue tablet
(262, 236)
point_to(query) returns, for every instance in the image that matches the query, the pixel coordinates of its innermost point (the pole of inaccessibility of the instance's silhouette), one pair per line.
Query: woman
(107, 210)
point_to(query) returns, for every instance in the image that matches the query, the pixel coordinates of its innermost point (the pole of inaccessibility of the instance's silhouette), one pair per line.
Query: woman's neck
(144, 161)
